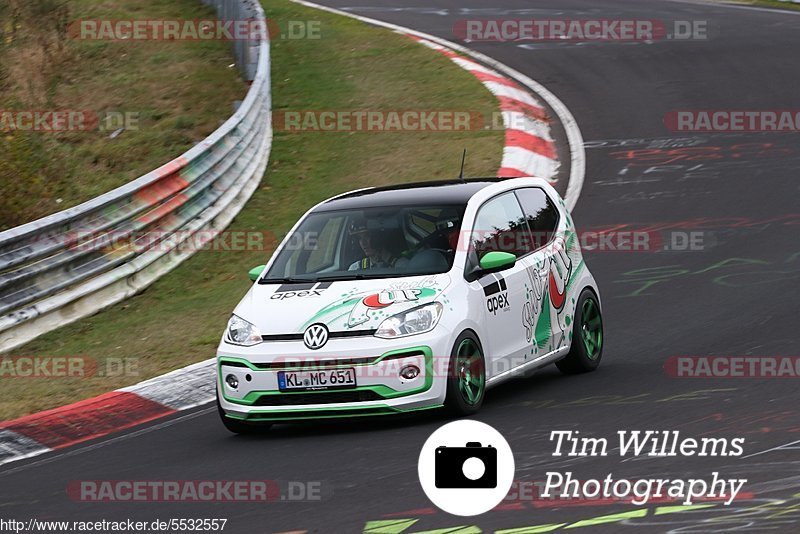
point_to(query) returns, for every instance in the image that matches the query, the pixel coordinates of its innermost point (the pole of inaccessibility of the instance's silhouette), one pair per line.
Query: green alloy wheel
(587, 337)
(466, 380)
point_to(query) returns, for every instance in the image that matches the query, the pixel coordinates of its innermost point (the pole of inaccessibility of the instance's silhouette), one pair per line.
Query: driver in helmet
(375, 245)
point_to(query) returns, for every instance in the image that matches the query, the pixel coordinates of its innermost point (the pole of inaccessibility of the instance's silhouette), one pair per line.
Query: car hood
(341, 306)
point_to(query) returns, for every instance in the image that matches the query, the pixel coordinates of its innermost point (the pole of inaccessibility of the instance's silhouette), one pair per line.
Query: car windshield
(379, 242)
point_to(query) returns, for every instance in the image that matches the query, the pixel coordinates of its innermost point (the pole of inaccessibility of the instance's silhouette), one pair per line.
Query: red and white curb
(124, 408)
(513, 158)
(529, 149)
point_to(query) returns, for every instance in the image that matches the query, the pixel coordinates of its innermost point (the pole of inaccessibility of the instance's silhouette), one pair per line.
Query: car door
(500, 225)
(549, 269)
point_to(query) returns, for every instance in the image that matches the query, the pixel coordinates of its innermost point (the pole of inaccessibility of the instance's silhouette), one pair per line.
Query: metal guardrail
(60, 268)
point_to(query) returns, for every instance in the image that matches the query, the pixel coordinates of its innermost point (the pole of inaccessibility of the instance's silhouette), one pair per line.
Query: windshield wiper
(288, 280)
(331, 278)
(345, 277)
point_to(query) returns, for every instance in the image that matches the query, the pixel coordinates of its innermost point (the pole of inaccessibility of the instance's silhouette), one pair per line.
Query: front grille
(306, 365)
(331, 335)
(326, 397)
(282, 337)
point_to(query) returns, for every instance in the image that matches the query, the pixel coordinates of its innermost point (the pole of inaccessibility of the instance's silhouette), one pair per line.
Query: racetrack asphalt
(734, 296)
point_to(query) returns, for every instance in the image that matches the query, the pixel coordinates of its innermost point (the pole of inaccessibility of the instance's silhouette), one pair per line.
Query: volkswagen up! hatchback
(414, 297)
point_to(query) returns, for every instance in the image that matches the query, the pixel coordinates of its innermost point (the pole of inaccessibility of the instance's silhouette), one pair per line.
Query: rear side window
(541, 213)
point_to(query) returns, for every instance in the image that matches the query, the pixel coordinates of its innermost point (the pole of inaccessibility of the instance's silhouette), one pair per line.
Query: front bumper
(379, 388)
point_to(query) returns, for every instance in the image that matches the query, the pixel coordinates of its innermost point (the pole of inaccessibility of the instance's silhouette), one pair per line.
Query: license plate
(322, 379)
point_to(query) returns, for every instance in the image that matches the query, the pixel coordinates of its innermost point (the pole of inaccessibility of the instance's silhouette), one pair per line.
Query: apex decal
(311, 289)
(496, 296)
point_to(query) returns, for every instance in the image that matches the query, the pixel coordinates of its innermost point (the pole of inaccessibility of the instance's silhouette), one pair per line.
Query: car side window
(311, 250)
(541, 214)
(323, 248)
(499, 226)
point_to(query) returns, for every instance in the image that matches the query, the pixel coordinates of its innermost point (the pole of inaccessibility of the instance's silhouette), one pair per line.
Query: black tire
(457, 401)
(240, 427)
(584, 356)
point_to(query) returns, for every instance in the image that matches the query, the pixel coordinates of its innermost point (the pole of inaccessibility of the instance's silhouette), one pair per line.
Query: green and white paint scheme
(522, 315)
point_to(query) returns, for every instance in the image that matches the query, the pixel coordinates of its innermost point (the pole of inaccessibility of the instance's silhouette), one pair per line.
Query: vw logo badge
(315, 336)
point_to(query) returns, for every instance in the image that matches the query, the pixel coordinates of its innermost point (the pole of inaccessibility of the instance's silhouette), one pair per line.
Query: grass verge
(180, 318)
(172, 94)
(766, 3)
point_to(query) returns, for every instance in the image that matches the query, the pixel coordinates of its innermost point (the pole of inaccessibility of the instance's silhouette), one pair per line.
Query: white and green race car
(413, 297)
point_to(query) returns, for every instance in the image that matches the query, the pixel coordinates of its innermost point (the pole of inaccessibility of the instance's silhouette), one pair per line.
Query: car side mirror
(495, 261)
(255, 272)
(491, 262)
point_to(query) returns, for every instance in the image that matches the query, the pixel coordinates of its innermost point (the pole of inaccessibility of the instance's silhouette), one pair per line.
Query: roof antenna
(463, 159)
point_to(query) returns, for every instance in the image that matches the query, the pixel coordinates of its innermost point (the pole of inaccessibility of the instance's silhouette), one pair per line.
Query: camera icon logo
(466, 467)
(472, 466)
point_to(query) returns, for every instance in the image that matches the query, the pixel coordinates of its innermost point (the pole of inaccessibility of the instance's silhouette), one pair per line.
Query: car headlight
(240, 332)
(408, 323)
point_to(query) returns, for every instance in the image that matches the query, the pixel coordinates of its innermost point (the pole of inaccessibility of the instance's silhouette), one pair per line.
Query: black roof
(434, 192)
